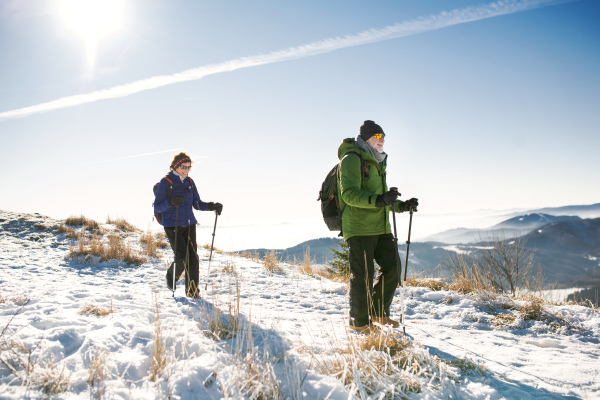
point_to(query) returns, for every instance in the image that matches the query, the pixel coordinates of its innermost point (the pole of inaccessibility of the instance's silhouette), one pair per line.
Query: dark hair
(180, 159)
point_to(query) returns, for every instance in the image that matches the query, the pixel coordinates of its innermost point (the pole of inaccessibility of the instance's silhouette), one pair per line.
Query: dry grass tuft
(382, 365)
(229, 268)
(159, 353)
(218, 326)
(251, 255)
(272, 265)
(532, 309)
(73, 234)
(306, 266)
(87, 223)
(251, 376)
(431, 283)
(469, 367)
(465, 285)
(153, 242)
(97, 368)
(215, 250)
(96, 310)
(52, 378)
(115, 249)
(122, 224)
(97, 373)
(62, 229)
(41, 227)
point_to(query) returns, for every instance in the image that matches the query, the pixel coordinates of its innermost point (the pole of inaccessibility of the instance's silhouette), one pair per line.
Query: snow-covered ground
(290, 326)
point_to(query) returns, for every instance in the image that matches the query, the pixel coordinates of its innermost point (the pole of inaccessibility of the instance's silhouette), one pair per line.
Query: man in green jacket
(366, 203)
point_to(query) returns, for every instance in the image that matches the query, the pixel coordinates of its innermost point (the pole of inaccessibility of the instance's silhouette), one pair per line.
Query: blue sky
(494, 112)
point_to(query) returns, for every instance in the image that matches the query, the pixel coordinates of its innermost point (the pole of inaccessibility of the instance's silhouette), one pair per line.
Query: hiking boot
(365, 329)
(386, 321)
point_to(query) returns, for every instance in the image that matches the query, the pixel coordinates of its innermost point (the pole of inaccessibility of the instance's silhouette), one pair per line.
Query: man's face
(376, 143)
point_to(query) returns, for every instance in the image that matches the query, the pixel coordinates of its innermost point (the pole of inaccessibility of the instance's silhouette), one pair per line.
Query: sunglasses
(185, 167)
(379, 135)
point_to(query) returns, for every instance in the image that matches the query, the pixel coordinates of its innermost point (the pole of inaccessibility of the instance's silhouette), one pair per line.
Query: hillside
(569, 251)
(512, 227)
(78, 327)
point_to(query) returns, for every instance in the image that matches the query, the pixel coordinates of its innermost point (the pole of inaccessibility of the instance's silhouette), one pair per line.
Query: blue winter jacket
(191, 199)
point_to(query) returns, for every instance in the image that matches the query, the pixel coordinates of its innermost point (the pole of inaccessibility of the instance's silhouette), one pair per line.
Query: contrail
(133, 156)
(401, 29)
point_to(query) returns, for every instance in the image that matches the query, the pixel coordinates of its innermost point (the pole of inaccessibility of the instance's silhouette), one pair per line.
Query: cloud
(407, 28)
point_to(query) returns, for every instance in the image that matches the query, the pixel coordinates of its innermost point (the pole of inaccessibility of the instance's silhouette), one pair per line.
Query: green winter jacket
(360, 215)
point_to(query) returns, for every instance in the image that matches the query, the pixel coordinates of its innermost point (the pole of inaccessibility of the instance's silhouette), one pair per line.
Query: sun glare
(92, 20)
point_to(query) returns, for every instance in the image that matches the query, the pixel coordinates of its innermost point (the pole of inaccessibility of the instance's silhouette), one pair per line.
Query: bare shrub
(502, 265)
(272, 263)
(122, 224)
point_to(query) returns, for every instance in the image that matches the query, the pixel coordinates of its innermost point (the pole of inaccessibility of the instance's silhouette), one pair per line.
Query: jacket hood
(350, 145)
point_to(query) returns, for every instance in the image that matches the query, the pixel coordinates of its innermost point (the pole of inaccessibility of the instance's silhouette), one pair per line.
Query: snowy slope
(290, 324)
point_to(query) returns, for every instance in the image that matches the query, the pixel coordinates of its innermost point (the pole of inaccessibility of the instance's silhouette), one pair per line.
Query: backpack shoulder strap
(364, 168)
(169, 187)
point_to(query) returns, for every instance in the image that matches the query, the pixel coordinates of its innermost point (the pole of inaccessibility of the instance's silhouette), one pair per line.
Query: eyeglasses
(379, 135)
(185, 167)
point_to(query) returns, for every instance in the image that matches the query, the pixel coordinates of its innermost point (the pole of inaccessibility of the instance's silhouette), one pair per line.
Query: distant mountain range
(513, 227)
(567, 247)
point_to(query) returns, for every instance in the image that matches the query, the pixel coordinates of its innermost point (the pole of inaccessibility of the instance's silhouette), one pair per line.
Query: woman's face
(184, 169)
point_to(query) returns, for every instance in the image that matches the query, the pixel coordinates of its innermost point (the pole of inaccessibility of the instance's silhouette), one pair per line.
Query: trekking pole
(175, 249)
(406, 265)
(211, 250)
(398, 262)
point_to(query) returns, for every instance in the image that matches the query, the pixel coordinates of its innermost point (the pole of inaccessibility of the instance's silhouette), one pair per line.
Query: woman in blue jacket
(176, 195)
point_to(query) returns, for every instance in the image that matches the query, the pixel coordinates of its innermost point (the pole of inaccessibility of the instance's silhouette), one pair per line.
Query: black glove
(410, 204)
(216, 207)
(176, 200)
(388, 198)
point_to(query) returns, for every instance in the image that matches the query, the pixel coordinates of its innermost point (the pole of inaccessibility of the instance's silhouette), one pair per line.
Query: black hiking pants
(366, 299)
(186, 257)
